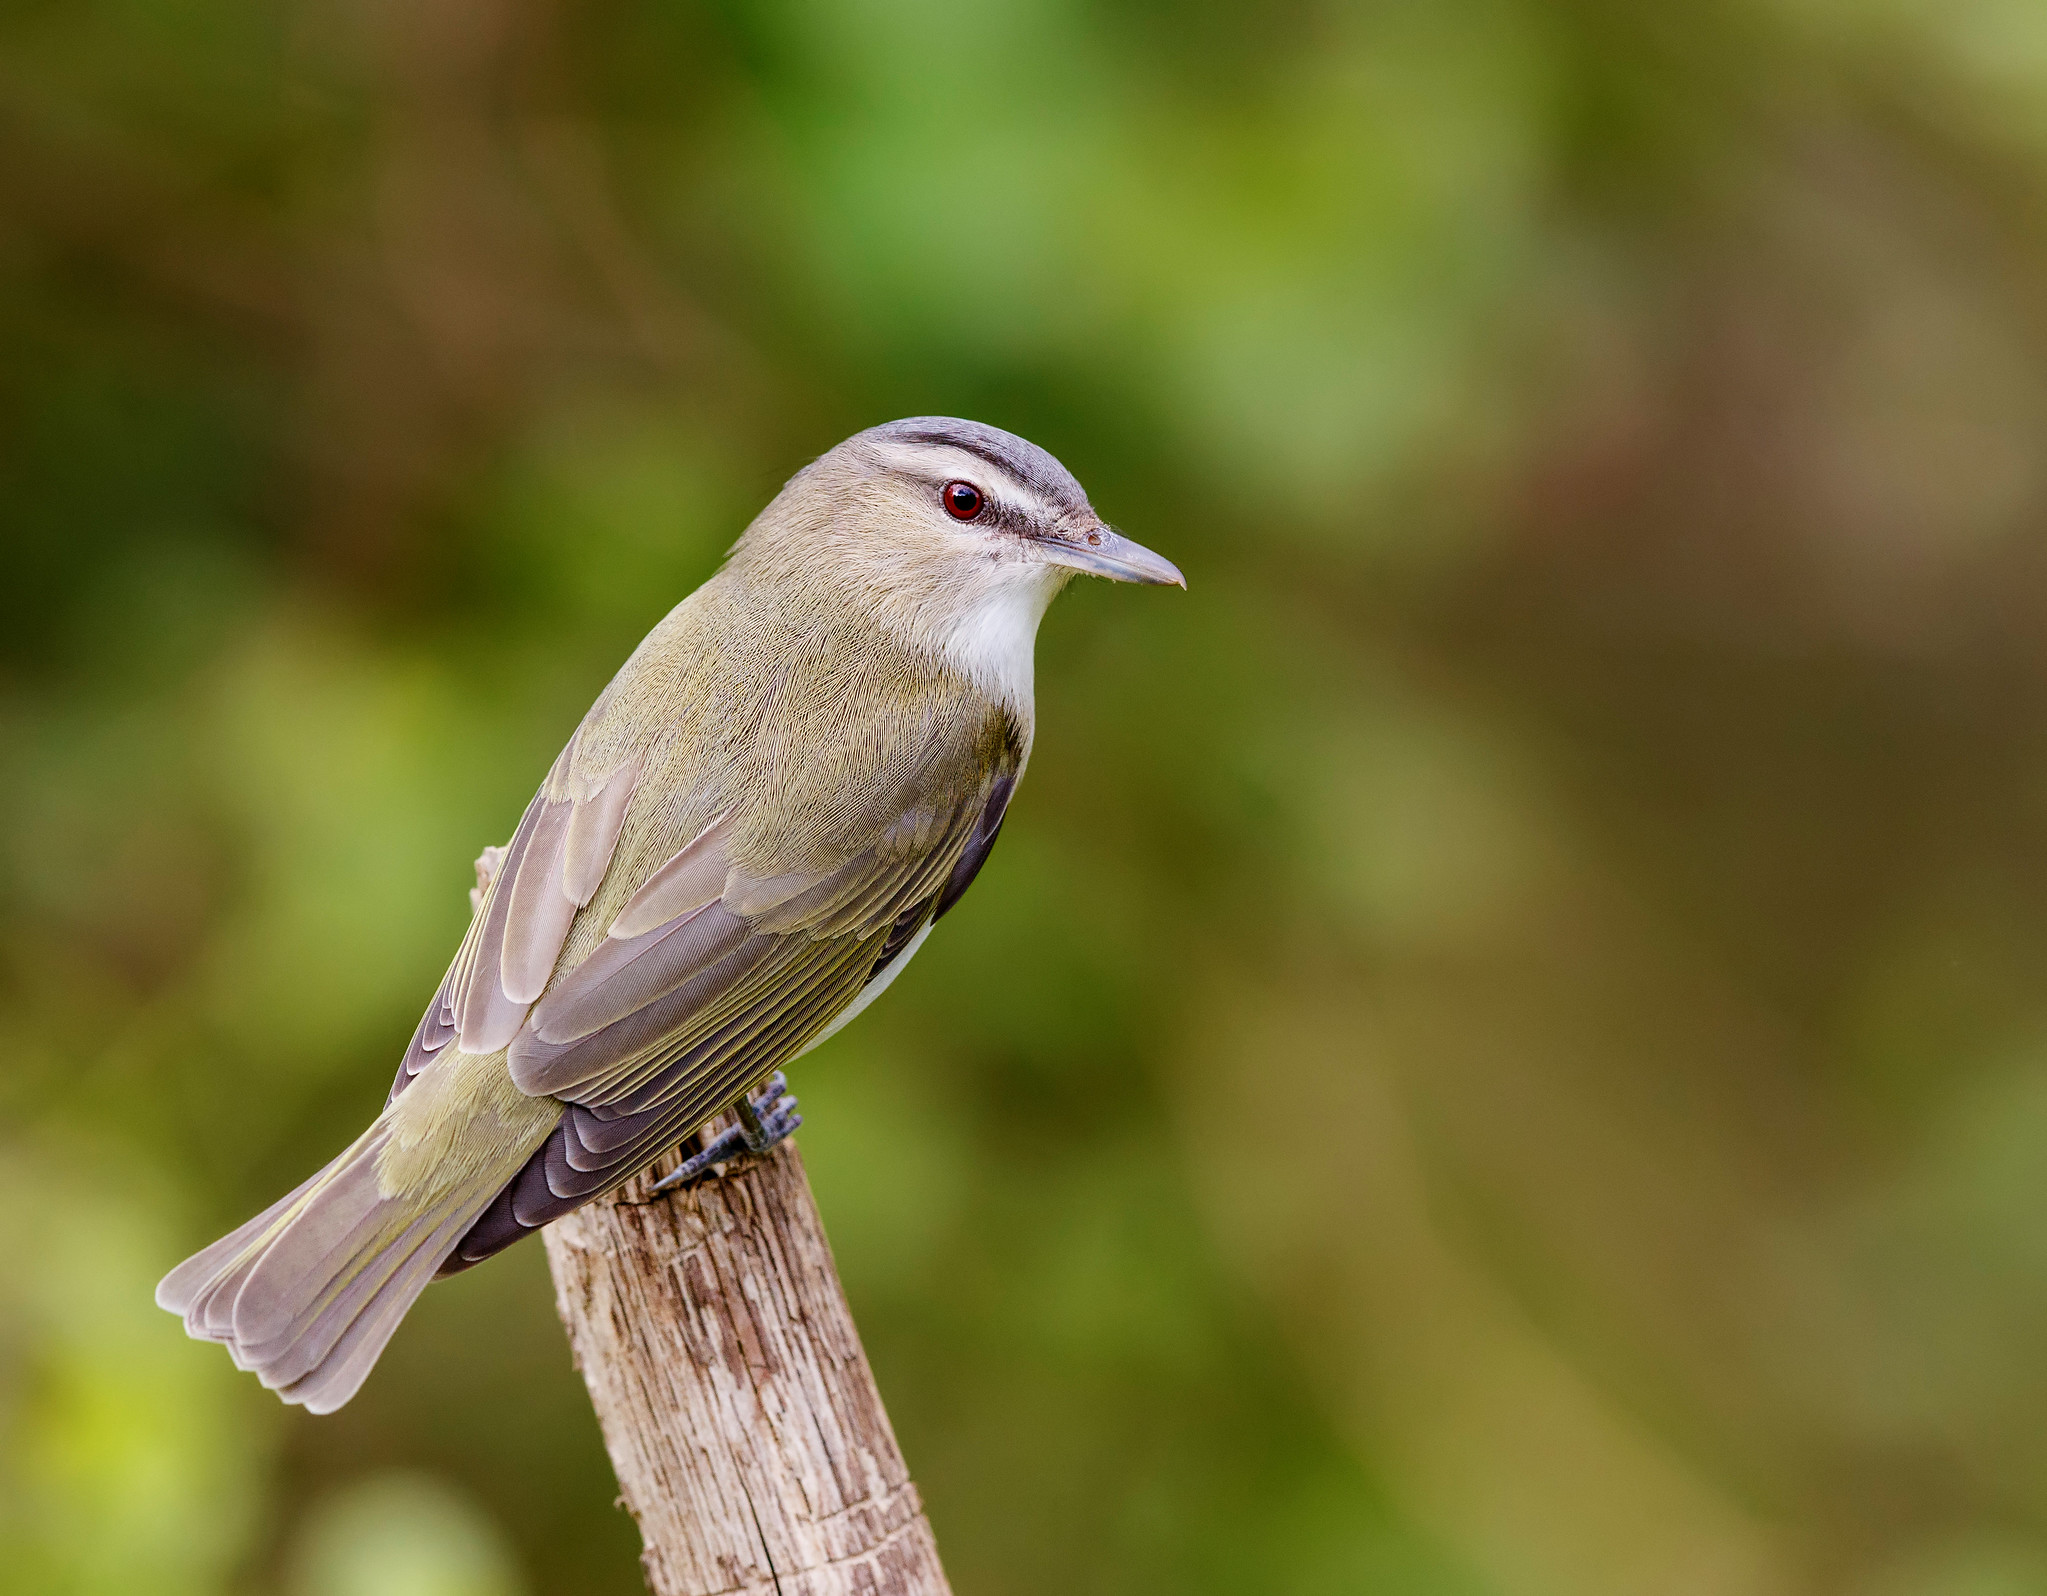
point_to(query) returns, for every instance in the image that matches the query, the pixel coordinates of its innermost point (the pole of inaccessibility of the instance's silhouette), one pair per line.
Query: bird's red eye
(962, 499)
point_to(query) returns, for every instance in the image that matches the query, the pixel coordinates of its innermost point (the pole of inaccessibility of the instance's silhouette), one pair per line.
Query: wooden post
(742, 1419)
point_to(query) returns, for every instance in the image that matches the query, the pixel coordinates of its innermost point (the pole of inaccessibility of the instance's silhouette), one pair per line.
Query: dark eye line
(994, 513)
(1002, 516)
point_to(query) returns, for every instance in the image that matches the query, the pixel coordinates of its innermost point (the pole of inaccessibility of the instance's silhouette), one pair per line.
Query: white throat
(993, 642)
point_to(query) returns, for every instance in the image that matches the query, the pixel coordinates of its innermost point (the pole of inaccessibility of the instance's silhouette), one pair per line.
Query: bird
(788, 783)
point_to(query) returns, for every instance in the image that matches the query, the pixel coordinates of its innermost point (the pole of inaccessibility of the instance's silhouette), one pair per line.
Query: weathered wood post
(742, 1419)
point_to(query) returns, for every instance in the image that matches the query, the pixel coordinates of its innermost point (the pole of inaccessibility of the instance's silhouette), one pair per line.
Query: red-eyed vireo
(757, 824)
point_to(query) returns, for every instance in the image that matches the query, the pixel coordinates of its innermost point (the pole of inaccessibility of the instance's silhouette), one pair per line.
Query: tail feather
(211, 1306)
(179, 1289)
(308, 1292)
(306, 1342)
(338, 1231)
(344, 1367)
(379, 1286)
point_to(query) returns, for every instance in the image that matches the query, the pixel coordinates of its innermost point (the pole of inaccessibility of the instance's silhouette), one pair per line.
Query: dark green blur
(1504, 1049)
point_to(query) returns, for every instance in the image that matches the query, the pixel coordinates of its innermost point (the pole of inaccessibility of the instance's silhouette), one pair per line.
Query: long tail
(307, 1293)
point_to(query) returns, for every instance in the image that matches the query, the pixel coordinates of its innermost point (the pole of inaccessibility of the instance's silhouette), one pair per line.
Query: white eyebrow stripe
(944, 462)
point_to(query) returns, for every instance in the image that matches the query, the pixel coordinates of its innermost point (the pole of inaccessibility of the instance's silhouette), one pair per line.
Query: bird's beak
(1103, 551)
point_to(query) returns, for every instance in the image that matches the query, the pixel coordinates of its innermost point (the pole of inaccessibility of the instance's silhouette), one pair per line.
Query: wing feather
(487, 1018)
(593, 833)
(609, 1023)
(527, 897)
(537, 913)
(980, 843)
(711, 973)
(693, 876)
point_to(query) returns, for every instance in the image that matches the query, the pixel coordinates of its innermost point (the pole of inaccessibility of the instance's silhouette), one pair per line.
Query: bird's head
(954, 535)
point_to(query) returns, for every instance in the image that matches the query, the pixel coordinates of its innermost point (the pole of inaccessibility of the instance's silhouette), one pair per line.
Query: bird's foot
(765, 1118)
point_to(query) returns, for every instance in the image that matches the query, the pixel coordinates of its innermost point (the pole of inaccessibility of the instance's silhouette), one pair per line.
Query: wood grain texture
(742, 1419)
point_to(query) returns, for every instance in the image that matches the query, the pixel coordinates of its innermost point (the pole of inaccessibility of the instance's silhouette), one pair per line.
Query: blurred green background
(1504, 1049)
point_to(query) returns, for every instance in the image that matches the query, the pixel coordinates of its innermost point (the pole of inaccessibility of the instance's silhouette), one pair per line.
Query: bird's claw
(765, 1118)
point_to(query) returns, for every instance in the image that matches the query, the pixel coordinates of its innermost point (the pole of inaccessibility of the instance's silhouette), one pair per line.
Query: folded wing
(711, 976)
(551, 868)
